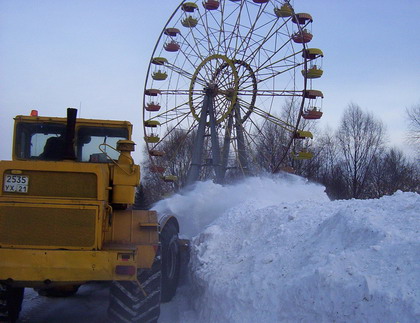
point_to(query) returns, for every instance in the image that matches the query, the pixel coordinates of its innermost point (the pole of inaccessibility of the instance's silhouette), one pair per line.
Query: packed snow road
(277, 250)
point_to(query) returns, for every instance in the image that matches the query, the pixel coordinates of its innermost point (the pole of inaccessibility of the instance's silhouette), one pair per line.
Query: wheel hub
(219, 77)
(212, 89)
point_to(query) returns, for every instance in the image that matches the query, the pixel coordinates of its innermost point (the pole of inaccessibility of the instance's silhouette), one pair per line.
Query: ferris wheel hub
(220, 76)
(211, 89)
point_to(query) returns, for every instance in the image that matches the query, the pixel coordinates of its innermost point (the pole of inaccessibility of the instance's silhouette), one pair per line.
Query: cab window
(37, 140)
(45, 141)
(90, 140)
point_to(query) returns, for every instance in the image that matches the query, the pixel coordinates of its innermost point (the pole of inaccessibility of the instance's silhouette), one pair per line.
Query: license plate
(15, 183)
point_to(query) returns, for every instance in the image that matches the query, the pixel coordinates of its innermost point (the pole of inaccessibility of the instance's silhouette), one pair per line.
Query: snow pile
(277, 250)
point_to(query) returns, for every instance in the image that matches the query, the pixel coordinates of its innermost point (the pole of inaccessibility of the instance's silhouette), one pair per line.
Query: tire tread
(129, 304)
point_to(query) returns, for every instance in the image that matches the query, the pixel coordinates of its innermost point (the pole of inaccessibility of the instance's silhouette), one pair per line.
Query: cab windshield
(89, 139)
(45, 141)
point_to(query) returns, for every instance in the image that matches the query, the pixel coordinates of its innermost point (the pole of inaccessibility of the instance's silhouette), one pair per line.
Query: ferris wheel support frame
(243, 161)
(226, 143)
(198, 142)
(219, 159)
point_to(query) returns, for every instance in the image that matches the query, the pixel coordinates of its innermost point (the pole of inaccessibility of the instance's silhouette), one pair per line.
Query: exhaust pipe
(69, 152)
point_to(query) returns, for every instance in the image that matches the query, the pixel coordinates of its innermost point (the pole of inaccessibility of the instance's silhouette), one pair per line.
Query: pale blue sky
(57, 53)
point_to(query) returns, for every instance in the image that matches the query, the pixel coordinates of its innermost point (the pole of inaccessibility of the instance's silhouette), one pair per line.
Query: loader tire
(131, 303)
(11, 299)
(171, 261)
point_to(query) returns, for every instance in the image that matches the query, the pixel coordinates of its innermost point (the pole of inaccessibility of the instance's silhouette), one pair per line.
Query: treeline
(352, 161)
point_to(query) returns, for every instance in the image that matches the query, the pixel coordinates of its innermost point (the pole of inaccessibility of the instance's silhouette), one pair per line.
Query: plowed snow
(277, 250)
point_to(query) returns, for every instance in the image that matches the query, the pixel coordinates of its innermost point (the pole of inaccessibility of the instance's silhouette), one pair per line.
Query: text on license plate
(15, 183)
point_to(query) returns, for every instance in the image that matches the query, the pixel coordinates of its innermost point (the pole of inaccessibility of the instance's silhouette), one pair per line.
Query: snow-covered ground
(275, 249)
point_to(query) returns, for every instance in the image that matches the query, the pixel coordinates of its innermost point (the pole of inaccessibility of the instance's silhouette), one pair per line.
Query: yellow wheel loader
(66, 218)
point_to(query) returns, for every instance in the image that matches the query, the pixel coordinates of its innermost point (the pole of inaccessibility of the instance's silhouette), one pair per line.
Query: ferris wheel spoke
(274, 74)
(250, 32)
(272, 64)
(224, 80)
(208, 34)
(244, 104)
(168, 133)
(249, 136)
(190, 129)
(179, 92)
(217, 28)
(243, 69)
(180, 117)
(197, 43)
(270, 93)
(236, 31)
(250, 89)
(190, 51)
(182, 72)
(168, 112)
(240, 39)
(222, 102)
(187, 57)
(242, 84)
(252, 139)
(265, 39)
(286, 126)
(246, 38)
(195, 48)
(236, 34)
(200, 40)
(227, 48)
(257, 131)
(222, 34)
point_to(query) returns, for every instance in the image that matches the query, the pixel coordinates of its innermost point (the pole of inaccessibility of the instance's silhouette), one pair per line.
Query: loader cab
(42, 138)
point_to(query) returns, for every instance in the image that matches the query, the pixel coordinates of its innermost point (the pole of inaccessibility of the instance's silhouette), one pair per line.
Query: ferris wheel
(221, 71)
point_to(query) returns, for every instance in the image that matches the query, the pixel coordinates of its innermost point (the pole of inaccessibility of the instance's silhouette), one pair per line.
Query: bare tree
(361, 138)
(391, 172)
(177, 159)
(413, 118)
(327, 151)
(270, 146)
(152, 188)
(322, 167)
(272, 141)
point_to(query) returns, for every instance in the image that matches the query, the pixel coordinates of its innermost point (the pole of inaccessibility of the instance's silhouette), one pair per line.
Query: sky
(94, 55)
